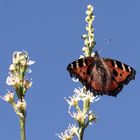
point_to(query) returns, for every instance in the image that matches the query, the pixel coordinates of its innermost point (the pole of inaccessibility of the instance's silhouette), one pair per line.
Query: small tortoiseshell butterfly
(102, 76)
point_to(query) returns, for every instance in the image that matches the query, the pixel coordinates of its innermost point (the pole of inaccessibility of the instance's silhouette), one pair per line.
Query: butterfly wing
(101, 76)
(121, 74)
(80, 69)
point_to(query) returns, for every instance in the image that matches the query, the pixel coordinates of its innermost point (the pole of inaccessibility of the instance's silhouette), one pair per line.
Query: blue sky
(50, 31)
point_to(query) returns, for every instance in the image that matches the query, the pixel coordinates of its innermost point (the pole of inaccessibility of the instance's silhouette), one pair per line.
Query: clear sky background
(50, 31)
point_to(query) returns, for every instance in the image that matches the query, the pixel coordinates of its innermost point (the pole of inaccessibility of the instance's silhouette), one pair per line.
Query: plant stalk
(22, 128)
(81, 133)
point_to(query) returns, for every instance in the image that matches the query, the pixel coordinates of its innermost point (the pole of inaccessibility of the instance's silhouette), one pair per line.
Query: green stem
(22, 128)
(81, 133)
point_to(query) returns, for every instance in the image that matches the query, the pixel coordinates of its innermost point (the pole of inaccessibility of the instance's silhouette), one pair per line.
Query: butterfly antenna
(108, 41)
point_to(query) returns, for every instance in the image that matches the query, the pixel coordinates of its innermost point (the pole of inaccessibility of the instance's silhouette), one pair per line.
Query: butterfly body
(102, 76)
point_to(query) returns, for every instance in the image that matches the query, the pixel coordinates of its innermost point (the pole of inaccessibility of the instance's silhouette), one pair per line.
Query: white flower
(85, 49)
(21, 105)
(20, 57)
(74, 99)
(12, 80)
(90, 97)
(77, 96)
(79, 92)
(30, 62)
(73, 129)
(80, 116)
(65, 135)
(12, 67)
(68, 133)
(9, 97)
(83, 94)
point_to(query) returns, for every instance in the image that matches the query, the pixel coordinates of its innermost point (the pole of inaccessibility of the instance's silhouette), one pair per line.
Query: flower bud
(90, 8)
(12, 68)
(27, 84)
(84, 36)
(92, 117)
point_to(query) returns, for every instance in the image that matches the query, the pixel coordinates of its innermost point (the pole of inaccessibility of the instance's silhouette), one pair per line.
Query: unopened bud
(12, 68)
(92, 117)
(27, 84)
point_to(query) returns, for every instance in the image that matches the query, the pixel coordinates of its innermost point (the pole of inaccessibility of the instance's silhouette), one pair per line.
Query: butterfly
(102, 76)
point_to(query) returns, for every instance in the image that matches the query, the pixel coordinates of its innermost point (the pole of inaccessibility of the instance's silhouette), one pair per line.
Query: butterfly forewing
(80, 68)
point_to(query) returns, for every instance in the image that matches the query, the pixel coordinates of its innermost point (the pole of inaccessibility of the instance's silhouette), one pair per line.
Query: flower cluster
(89, 42)
(69, 133)
(17, 72)
(80, 102)
(16, 79)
